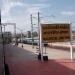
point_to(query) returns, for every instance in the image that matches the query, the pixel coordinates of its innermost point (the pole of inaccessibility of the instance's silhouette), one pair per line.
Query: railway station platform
(51, 67)
(24, 62)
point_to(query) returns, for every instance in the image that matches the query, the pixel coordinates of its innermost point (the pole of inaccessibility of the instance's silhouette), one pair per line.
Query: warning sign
(55, 32)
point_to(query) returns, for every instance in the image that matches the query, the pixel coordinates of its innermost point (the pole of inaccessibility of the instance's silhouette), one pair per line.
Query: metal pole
(3, 32)
(39, 32)
(40, 37)
(15, 33)
(4, 28)
(3, 46)
(31, 30)
(22, 38)
(41, 49)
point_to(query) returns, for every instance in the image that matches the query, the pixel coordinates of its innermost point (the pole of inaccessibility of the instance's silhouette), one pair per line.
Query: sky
(51, 11)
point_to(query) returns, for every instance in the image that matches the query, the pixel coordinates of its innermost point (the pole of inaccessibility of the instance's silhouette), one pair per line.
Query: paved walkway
(52, 67)
(52, 53)
(24, 62)
(15, 53)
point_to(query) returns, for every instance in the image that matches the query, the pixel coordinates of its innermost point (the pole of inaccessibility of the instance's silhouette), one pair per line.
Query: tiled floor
(21, 62)
(51, 67)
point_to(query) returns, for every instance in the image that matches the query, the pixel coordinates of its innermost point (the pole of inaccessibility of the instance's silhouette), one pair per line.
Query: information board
(59, 32)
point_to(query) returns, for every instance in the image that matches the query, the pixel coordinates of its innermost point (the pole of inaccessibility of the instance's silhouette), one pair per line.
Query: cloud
(24, 19)
(68, 13)
(7, 6)
(29, 8)
(33, 10)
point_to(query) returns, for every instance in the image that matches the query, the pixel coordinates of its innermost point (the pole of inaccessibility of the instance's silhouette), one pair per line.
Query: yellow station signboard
(55, 32)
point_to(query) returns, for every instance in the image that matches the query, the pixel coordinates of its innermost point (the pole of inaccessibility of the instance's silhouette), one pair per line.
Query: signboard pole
(41, 49)
(71, 49)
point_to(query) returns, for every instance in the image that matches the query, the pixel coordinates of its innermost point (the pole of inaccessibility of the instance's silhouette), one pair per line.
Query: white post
(71, 49)
(41, 49)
